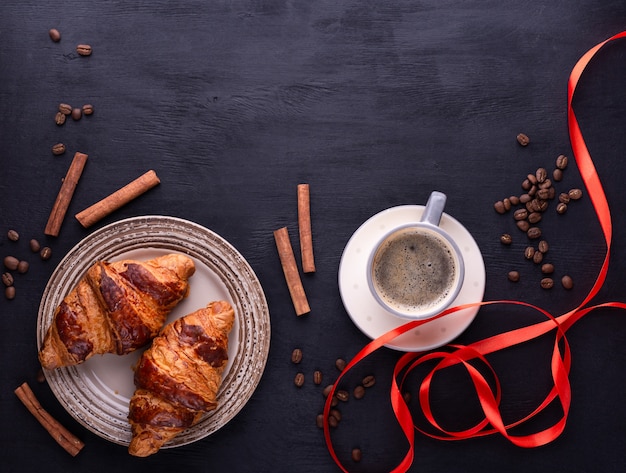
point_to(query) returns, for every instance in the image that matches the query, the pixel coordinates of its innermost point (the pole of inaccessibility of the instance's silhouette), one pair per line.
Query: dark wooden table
(374, 105)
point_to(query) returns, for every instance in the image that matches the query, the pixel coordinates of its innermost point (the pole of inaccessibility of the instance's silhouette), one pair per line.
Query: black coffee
(414, 271)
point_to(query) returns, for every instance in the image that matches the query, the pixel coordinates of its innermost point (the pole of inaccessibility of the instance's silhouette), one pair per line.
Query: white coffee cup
(416, 270)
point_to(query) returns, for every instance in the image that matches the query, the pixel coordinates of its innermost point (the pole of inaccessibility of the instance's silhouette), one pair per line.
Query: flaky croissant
(178, 377)
(115, 308)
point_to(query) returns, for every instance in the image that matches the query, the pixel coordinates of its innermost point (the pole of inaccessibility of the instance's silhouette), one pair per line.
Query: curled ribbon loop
(489, 394)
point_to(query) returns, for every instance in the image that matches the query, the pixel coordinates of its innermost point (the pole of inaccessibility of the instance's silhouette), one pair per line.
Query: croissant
(115, 308)
(178, 377)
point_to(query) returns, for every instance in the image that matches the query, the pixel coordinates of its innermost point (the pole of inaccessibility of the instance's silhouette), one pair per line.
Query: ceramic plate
(97, 392)
(375, 321)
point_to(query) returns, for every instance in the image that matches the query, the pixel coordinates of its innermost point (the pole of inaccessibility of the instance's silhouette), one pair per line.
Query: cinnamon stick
(304, 226)
(65, 438)
(62, 202)
(290, 269)
(117, 199)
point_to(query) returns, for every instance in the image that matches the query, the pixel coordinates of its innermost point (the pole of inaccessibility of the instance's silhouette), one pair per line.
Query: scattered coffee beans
(561, 208)
(547, 283)
(343, 395)
(65, 109)
(356, 455)
(319, 421)
(340, 364)
(77, 113)
(58, 149)
(557, 175)
(7, 279)
(513, 276)
(84, 50)
(369, 381)
(59, 119)
(11, 262)
(359, 392)
(9, 292)
(537, 257)
(523, 139)
(296, 355)
(54, 35)
(299, 380)
(13, 235)
(317, 377)
(534, 233)
(543, 246)
(506, 239)
(567, 282)
(34, 245)
(575, 194)
(41, 377)
(45, 253)
(547, 268)
(529, 252)
(561, 162)
(22, 267)
(87, 109)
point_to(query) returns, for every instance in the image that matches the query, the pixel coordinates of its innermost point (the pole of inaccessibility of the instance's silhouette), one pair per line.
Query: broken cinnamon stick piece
(62, 202)
(290, 269)
(304, 225)
(64, 437)
(109, 204)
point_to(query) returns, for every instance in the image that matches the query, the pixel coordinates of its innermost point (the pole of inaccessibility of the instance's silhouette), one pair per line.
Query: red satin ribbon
(488, 396)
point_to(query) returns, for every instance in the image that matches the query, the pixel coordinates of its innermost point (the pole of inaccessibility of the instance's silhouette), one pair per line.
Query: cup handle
(434, 208)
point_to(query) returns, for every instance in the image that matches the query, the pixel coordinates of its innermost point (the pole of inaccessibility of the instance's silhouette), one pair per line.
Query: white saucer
(375, 321)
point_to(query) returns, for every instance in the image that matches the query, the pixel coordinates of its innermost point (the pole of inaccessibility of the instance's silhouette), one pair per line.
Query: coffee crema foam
(414, 271)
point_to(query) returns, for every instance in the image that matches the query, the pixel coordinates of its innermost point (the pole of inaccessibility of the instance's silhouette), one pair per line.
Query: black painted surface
(374, 104)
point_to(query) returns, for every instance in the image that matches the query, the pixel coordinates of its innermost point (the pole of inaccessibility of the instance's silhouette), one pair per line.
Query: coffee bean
(534, 233)
(77, 114)
(506, 239)
(358, 392)
(9, 292)
(22, 267)
(524, 198)
(11, 262)
(499, 207)
(317, 377)
(533, 190)
(523, 225)
(58, 149)
(343, 395)
(567, 282)
(334, 401)
(547, 184)
(520, 214)
(340, 364)
(514, 200)
(13, 235)
(564, 198)
(59, 118)
(84, 50)
(547, 283)
(41, 377)
(543, 194)
(299, 380)
(529, 252)
(547, 268)
(88, 109)
(534, 217)
(526, 184)
(543, 246)
(561, 162)
(407, 397)
(65, 109)
(523, 139)
(575, 194)
(561, 208)
(332, 422)
(513, 276)
(34, 245)
(319, 421)
(296, 355)
(557, 175)
(356, 455)
(507, 204)
(551, 193)
(532, 179)
(538, 257)
(54, 35)
(327, 390)
(7, 279)
(369, 381)
(45, 253)
(541, 174)
(336, 414)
